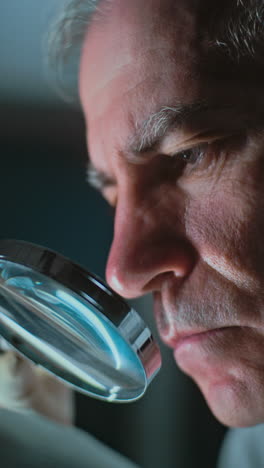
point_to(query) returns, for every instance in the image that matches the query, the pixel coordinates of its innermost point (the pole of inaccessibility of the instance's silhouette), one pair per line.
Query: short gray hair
(64, 43)
(234, 28)
(240, 29)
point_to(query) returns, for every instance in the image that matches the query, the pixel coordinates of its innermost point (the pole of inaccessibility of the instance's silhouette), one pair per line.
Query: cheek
(226, 227)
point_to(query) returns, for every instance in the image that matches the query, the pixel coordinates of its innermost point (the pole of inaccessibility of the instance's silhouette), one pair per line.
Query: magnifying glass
(69, 321)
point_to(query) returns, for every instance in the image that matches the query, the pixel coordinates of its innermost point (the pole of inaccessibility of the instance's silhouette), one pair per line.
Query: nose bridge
(147, 243)
(132, 232)
(132, 238)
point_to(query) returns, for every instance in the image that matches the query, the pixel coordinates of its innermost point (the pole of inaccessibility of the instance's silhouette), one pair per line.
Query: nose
(148, 247)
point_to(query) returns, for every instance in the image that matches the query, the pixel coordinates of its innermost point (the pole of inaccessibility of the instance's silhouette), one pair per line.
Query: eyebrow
(149, 134)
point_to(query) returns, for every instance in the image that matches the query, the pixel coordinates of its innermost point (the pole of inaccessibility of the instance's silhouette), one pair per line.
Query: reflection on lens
(67, 334)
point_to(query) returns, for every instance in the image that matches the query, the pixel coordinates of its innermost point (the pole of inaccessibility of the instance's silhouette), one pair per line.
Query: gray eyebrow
(149, 134)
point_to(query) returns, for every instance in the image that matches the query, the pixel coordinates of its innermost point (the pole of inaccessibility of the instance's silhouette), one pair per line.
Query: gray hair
(64, 43)
(233, 28)
(240, 29)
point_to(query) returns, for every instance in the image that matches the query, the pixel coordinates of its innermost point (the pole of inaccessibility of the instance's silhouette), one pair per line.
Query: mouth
(171, 335)
(177, 337)
(197, 338)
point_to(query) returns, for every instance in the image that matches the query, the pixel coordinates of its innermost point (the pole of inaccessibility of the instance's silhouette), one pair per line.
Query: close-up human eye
(192, 155)
(192, 159)
(207, 155)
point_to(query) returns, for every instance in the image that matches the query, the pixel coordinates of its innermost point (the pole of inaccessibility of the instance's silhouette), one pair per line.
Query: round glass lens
(68, 335)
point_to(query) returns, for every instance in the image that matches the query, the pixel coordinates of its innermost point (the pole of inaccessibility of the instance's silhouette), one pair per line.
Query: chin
(227, 365)
(235, 403)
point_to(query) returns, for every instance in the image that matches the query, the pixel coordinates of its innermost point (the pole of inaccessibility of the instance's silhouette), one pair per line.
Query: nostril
(158, 281)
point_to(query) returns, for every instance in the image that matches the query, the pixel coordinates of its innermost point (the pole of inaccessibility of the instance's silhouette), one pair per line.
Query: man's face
(189, 224)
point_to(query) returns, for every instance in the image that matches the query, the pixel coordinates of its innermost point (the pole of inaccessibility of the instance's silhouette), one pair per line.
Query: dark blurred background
(46, 200)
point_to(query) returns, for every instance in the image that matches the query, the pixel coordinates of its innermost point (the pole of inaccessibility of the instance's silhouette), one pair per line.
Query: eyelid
(199, 148)
(198, 151)
(200, 140)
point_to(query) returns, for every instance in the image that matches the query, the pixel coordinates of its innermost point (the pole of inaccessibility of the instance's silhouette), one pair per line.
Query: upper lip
(172, 335)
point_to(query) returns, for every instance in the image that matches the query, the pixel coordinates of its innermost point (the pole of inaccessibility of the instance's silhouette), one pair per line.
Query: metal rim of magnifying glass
(74, 277)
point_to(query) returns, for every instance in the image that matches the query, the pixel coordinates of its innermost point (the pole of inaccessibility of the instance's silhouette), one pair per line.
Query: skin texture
(190, 233)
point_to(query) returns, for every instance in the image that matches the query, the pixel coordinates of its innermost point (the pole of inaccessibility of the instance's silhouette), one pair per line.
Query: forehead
(140, 57)
(139, 47)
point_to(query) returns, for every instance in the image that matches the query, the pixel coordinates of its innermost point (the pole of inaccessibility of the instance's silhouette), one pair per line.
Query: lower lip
(212, 358)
